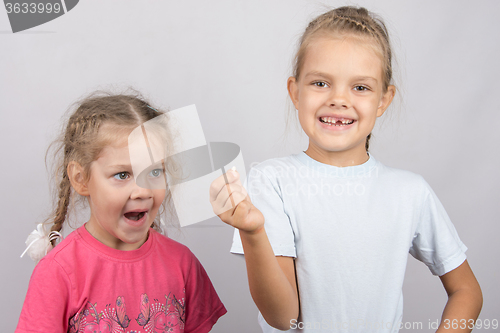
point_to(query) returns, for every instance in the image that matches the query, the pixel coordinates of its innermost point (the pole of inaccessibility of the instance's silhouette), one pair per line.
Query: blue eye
(156, 173)
(122, 175)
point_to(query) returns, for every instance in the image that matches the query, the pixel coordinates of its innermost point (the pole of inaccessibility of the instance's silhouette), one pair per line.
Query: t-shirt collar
(355, 171)
(114, 253)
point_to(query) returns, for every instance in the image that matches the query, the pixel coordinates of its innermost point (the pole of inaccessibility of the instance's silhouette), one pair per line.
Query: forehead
(117, 143)
(116, 151)
(346, 55)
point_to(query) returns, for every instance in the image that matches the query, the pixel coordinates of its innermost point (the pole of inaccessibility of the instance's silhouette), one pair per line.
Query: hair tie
(152, 108)
(39, 243)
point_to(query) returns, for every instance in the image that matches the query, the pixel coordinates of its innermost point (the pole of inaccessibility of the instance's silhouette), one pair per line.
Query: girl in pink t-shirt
(116, 273)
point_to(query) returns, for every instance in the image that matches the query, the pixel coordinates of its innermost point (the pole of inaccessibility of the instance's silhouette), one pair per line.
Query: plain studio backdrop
(232, 59)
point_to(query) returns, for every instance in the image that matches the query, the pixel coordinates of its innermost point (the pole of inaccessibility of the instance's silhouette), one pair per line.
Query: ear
(293, 91)
(386, 100)
(76, 176)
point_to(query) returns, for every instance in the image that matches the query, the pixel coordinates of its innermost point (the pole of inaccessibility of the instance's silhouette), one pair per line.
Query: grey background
(232, 59)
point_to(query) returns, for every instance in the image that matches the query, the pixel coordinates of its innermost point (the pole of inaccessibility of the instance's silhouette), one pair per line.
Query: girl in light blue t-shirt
(326, 233)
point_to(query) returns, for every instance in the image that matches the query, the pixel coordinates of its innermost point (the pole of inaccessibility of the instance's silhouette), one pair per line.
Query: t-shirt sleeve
(203, 306)
(46, 302)
(266, 194)
(435, 241)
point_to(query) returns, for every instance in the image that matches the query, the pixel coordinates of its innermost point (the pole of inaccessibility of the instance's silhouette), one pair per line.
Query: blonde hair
(83, 140)
(348, 20)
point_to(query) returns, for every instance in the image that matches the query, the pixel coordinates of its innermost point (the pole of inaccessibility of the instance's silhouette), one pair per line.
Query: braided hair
(83, 140)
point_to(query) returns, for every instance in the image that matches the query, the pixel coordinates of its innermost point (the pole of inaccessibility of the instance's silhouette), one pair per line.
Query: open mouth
(134, 216)
(336, 121)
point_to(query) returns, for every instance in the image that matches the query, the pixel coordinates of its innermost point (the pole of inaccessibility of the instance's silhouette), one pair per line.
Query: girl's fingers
(242, 210)
(228, 198)
(218, 184)
(226, 211)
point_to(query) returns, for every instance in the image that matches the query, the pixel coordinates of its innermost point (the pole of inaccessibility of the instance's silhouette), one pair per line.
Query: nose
(140, 192)
(339, 99)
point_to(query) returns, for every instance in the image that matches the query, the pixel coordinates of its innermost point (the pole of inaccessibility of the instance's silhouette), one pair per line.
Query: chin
(335, 149)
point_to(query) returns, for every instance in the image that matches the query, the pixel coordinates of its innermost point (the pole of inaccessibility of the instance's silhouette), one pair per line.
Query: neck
(338, 158)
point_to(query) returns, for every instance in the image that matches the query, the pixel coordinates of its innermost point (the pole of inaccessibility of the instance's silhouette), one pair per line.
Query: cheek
(307, 108)
(368, 106)
(305, 119)
(159, 197)
(307, 98)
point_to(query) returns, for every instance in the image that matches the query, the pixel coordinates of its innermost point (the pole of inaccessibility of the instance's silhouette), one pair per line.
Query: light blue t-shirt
(350, 230)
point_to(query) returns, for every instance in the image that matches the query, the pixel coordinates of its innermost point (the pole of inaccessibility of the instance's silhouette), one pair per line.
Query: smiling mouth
(336, 121)
(134, 216)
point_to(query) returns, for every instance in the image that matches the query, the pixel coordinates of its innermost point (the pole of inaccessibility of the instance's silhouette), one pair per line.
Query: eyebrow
(121, 166)
(362, 78)
(314, 73)
(356, 78)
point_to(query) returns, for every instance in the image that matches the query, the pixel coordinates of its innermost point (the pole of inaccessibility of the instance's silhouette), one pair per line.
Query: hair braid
(367, 142)
(64, 196)
(83, 139)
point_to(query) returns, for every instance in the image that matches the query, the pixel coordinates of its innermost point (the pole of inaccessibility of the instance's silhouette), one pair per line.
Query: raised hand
(232, 204)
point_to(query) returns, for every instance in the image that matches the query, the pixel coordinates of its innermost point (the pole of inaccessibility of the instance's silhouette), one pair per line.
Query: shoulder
(290, 161)
(275, 167)
(60, 262)
(56, 266)
(403, 179)
(171, 247)
(396, 174)
(176, 256)
(64, 249)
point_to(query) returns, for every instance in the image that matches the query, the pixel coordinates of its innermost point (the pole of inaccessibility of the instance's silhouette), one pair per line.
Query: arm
(464, 300)
(271, 279)
(45, 307)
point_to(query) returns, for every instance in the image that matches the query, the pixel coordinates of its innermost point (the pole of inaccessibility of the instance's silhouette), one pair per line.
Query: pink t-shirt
(84, 286)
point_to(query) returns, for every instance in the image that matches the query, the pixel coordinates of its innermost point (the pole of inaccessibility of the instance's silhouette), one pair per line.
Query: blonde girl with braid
(117, 272)
(326, 233)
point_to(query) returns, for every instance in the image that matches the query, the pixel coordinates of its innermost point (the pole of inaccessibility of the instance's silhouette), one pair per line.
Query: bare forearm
(461, 311)
(271, 290)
